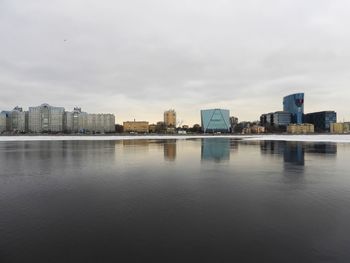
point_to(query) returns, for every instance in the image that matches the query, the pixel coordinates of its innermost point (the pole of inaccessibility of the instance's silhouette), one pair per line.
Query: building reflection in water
(294, 152)
(170, 150)
(216, 149)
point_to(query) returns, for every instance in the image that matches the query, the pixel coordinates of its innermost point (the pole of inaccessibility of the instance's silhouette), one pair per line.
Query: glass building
(215, 120)
(294, 104)
(321, 120)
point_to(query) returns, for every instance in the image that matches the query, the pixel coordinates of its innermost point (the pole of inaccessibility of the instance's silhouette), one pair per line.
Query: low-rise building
(340, 127)
(300, 128)
(136, 126)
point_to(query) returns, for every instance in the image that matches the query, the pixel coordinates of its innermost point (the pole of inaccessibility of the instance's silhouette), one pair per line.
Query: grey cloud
(136, 58)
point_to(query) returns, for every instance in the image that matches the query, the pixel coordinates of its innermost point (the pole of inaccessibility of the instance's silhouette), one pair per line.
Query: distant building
(300, 128)
(341, 127)
(294, 104)
(170, 118)
(152, 128)
(136, 126)
(14, 121)
(321, 120)
(233, 123)
(19, 120)
(4, 121)
(281, 118)
(46, 118)
(215, 120)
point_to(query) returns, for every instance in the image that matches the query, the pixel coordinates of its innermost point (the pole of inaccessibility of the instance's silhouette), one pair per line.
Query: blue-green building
(215, 120)
(294, 104)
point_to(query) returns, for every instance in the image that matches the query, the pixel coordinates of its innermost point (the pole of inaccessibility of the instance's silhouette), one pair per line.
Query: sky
(137, 58)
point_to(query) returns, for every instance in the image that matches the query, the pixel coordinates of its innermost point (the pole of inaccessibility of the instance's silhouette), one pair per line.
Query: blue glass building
(294, 104)
(215, 120)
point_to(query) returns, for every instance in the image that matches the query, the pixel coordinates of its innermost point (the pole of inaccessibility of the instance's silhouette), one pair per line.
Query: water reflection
(170, 150)
(294, 152)
(215, 149)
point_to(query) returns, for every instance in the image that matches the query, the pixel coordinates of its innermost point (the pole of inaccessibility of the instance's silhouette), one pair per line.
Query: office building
(136, 126)
(46, 118)
(170, 118)
(281, 119)
(294, 104)
(321, 120)
(341, 127)
(300, 128)
(215, 120)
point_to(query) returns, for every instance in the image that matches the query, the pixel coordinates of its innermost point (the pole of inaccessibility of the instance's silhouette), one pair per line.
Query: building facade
(215, 120)
(300, 128)
(170, 118)
(46, 118)
(4, 121)
(294, 104)
(233, 123)
(136, 126)
(341, 127)
(321, 120)
(281, 118)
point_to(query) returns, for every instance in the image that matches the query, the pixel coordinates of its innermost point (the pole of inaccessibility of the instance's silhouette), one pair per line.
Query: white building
(46, 118)
(14, 121)
(78, 121)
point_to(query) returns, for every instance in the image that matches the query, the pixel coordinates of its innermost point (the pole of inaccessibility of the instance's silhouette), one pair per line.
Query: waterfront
(168, 200)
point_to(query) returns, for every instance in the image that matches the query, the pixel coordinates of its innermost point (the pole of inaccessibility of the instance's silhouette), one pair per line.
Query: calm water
(204, 200)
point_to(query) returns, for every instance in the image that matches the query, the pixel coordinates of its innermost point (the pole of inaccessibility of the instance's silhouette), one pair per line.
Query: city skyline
(125, 57)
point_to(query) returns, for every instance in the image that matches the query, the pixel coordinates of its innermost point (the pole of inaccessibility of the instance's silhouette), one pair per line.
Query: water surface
(199, 200)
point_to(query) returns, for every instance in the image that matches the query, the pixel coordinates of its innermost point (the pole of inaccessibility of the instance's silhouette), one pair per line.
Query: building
(300, 128)
(18, 120)
(215, 120)
(99, 123)
(281, 119)
(170, 118)
(294, 104)
(46, 118)
(321, 120)
(341, 127)
(152, 128)
(4, 121)
(136, 126)
(275, 121)
(233, 123)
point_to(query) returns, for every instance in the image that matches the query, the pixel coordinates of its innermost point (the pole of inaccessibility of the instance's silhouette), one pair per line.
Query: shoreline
(342, 138)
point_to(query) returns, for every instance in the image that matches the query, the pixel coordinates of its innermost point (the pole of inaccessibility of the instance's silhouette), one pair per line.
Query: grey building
(4, 121)
(46, 118)
(79, 121)
(282, 118)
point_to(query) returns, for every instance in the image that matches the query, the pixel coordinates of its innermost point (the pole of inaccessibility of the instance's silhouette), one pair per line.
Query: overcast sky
(137, 58)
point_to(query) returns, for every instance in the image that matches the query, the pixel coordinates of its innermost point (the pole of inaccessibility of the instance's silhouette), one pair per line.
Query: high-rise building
(46, 118)
(4, 121)
(294, 104)
(215, 120)
(281, 118)
(321, 120)
(170, 118)
(233, 123)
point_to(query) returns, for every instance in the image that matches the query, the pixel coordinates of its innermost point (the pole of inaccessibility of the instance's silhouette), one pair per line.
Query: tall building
(294, 104)
(46, 118)
(170, 118)
(4, 121)
(215, 120)
(321, 120)
(19, 120)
